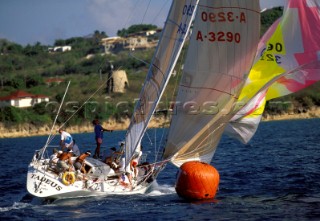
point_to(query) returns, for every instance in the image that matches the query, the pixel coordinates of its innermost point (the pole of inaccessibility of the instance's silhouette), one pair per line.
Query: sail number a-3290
(219, 36)
(221, 17)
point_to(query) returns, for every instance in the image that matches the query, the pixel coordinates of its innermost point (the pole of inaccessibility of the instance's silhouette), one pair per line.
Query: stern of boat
(44, 183)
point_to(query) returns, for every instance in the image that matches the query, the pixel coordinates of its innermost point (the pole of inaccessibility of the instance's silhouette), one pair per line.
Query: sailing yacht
(221, 51)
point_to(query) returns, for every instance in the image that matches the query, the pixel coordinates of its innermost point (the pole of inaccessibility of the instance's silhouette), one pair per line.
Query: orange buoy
(197, 180)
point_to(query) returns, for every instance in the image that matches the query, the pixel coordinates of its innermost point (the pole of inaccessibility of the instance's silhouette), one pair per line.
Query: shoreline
(29, 130)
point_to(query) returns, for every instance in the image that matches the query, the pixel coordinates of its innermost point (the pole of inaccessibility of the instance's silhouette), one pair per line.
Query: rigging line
(133, 56)
(158, 147)
(149, 138)
(154, 66)
(158, 162)
(52, 137)
(99, 88)
(155, 142)
(153, 21)
(136, 5)
(55, 120)
(145, 12)
(161, 141)
(179, 72)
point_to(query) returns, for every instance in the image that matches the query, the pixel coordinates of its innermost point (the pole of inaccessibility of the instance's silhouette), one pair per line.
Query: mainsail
(171, 42)
(287, 61)
(223, 44)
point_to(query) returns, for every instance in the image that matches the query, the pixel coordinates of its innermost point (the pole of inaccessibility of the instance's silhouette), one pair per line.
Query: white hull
(45, 183)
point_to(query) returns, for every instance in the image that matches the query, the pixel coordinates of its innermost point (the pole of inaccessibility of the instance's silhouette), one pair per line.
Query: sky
(31, 21)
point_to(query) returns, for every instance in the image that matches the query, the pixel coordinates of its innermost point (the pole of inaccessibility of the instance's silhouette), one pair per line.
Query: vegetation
(88, 68)
(135, 29)
(269, 17)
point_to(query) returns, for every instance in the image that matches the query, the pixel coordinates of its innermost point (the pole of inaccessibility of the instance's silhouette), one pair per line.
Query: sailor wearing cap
(54, 157)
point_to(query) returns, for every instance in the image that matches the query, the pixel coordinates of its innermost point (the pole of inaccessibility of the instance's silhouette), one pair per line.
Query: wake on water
(158, 190)
(28, 200)
(15, 206)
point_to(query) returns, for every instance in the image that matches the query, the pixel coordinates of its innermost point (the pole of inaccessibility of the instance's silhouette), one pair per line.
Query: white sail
(244, 124)
(222, 48)
(172, 39)
(221, 51)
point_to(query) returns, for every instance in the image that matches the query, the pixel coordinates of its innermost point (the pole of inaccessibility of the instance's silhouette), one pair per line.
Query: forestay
(288, 60)
(221, 52)
(170, 44)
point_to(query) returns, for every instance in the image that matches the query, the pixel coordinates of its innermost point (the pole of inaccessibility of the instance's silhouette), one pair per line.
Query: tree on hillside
(7, 47)
(269, 17)
(135, 29)
(99, 35)
(90, 44)
(33, 50)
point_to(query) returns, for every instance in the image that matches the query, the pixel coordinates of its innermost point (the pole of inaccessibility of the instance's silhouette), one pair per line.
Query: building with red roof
(22, 99)
(54, 81)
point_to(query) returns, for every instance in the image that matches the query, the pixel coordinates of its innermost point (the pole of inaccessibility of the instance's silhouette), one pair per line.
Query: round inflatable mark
(197, 180)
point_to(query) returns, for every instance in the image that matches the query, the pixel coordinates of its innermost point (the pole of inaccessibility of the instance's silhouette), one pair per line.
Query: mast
(170, 44)
(54, 122)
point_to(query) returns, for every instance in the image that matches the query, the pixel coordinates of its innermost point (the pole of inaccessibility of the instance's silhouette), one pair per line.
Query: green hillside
(87, 67)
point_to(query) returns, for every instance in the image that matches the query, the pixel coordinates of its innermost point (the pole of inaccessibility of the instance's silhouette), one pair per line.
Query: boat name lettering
(223, 17)
(219, 36)
(47, 181)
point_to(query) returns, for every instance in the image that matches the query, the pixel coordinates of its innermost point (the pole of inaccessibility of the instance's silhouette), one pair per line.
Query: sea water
(274, 177)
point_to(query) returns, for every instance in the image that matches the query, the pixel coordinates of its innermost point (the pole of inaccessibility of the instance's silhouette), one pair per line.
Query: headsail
(173, 36)
(221, 51)
(287, 61)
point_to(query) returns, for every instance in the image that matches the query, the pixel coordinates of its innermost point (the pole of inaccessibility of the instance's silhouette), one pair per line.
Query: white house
(136, 41)
(112, 44)
(60, 48)
(22, 99)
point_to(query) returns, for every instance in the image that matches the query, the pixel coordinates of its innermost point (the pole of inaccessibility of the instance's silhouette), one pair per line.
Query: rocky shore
(27, 130)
